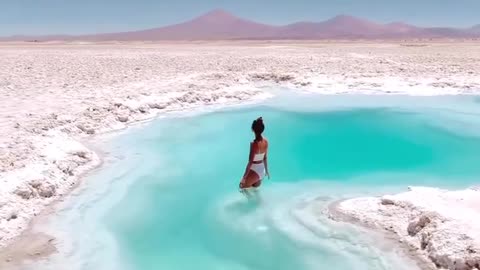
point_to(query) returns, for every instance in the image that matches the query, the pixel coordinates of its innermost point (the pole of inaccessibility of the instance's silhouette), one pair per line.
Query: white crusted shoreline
(56, 95)
(60, 159)
(440, 226)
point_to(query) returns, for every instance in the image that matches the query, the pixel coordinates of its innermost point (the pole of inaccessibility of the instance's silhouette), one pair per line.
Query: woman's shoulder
(264, 141)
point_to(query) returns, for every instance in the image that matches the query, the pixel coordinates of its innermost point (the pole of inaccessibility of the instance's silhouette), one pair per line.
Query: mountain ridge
(219, 24)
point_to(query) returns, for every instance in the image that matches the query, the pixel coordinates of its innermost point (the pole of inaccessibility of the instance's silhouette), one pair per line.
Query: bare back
(260, 147)
(259, 150)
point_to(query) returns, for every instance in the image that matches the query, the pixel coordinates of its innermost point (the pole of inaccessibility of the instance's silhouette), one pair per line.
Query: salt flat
(56, 95)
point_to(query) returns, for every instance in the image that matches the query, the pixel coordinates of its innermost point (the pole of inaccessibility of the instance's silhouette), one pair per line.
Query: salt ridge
(438, 225)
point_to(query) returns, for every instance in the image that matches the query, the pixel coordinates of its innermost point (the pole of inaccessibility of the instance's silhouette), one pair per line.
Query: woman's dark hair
(258, 127)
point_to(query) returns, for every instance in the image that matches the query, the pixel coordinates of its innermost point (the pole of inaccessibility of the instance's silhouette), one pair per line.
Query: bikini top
(259, 157)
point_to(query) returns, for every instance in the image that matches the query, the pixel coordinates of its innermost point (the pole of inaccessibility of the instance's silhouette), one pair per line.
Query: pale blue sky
(40, 17)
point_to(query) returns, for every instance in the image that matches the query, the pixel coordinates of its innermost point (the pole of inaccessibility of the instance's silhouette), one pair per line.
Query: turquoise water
(168, 199)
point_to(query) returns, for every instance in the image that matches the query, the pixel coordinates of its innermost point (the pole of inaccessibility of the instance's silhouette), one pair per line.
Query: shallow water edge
(434, 105)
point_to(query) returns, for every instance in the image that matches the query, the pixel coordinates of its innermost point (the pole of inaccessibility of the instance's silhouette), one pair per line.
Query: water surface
(169, 197)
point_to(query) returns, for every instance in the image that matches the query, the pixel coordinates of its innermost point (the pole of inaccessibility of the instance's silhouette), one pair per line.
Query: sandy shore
(440, 227)
(56, 95)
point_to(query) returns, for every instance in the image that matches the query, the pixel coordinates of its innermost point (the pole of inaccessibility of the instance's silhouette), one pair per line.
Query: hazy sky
(94, 16)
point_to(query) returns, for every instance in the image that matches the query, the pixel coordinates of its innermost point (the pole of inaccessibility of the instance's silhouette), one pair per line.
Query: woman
(257, 166)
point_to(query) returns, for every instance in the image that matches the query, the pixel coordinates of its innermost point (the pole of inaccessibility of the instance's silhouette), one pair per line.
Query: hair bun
(260, 119)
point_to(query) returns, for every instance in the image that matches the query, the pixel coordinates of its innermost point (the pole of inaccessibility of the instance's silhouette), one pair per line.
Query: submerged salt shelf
(167, 196)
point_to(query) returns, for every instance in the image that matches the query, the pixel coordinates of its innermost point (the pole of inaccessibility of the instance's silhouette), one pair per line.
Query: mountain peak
(218, 12)
(217, 15)
(344, 17)
(349, 23)
(397, 23)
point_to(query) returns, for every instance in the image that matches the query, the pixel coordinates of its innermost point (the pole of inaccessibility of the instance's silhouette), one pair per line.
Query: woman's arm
(265, 161)
(249, 164)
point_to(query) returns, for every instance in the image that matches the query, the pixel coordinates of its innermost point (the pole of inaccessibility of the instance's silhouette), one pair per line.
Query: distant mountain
(38, 38)
(221, 25)
(346, 27)
(475, 29)
(217, 24)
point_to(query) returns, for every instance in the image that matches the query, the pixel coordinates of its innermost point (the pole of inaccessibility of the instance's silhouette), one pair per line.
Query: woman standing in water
(257, 166)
